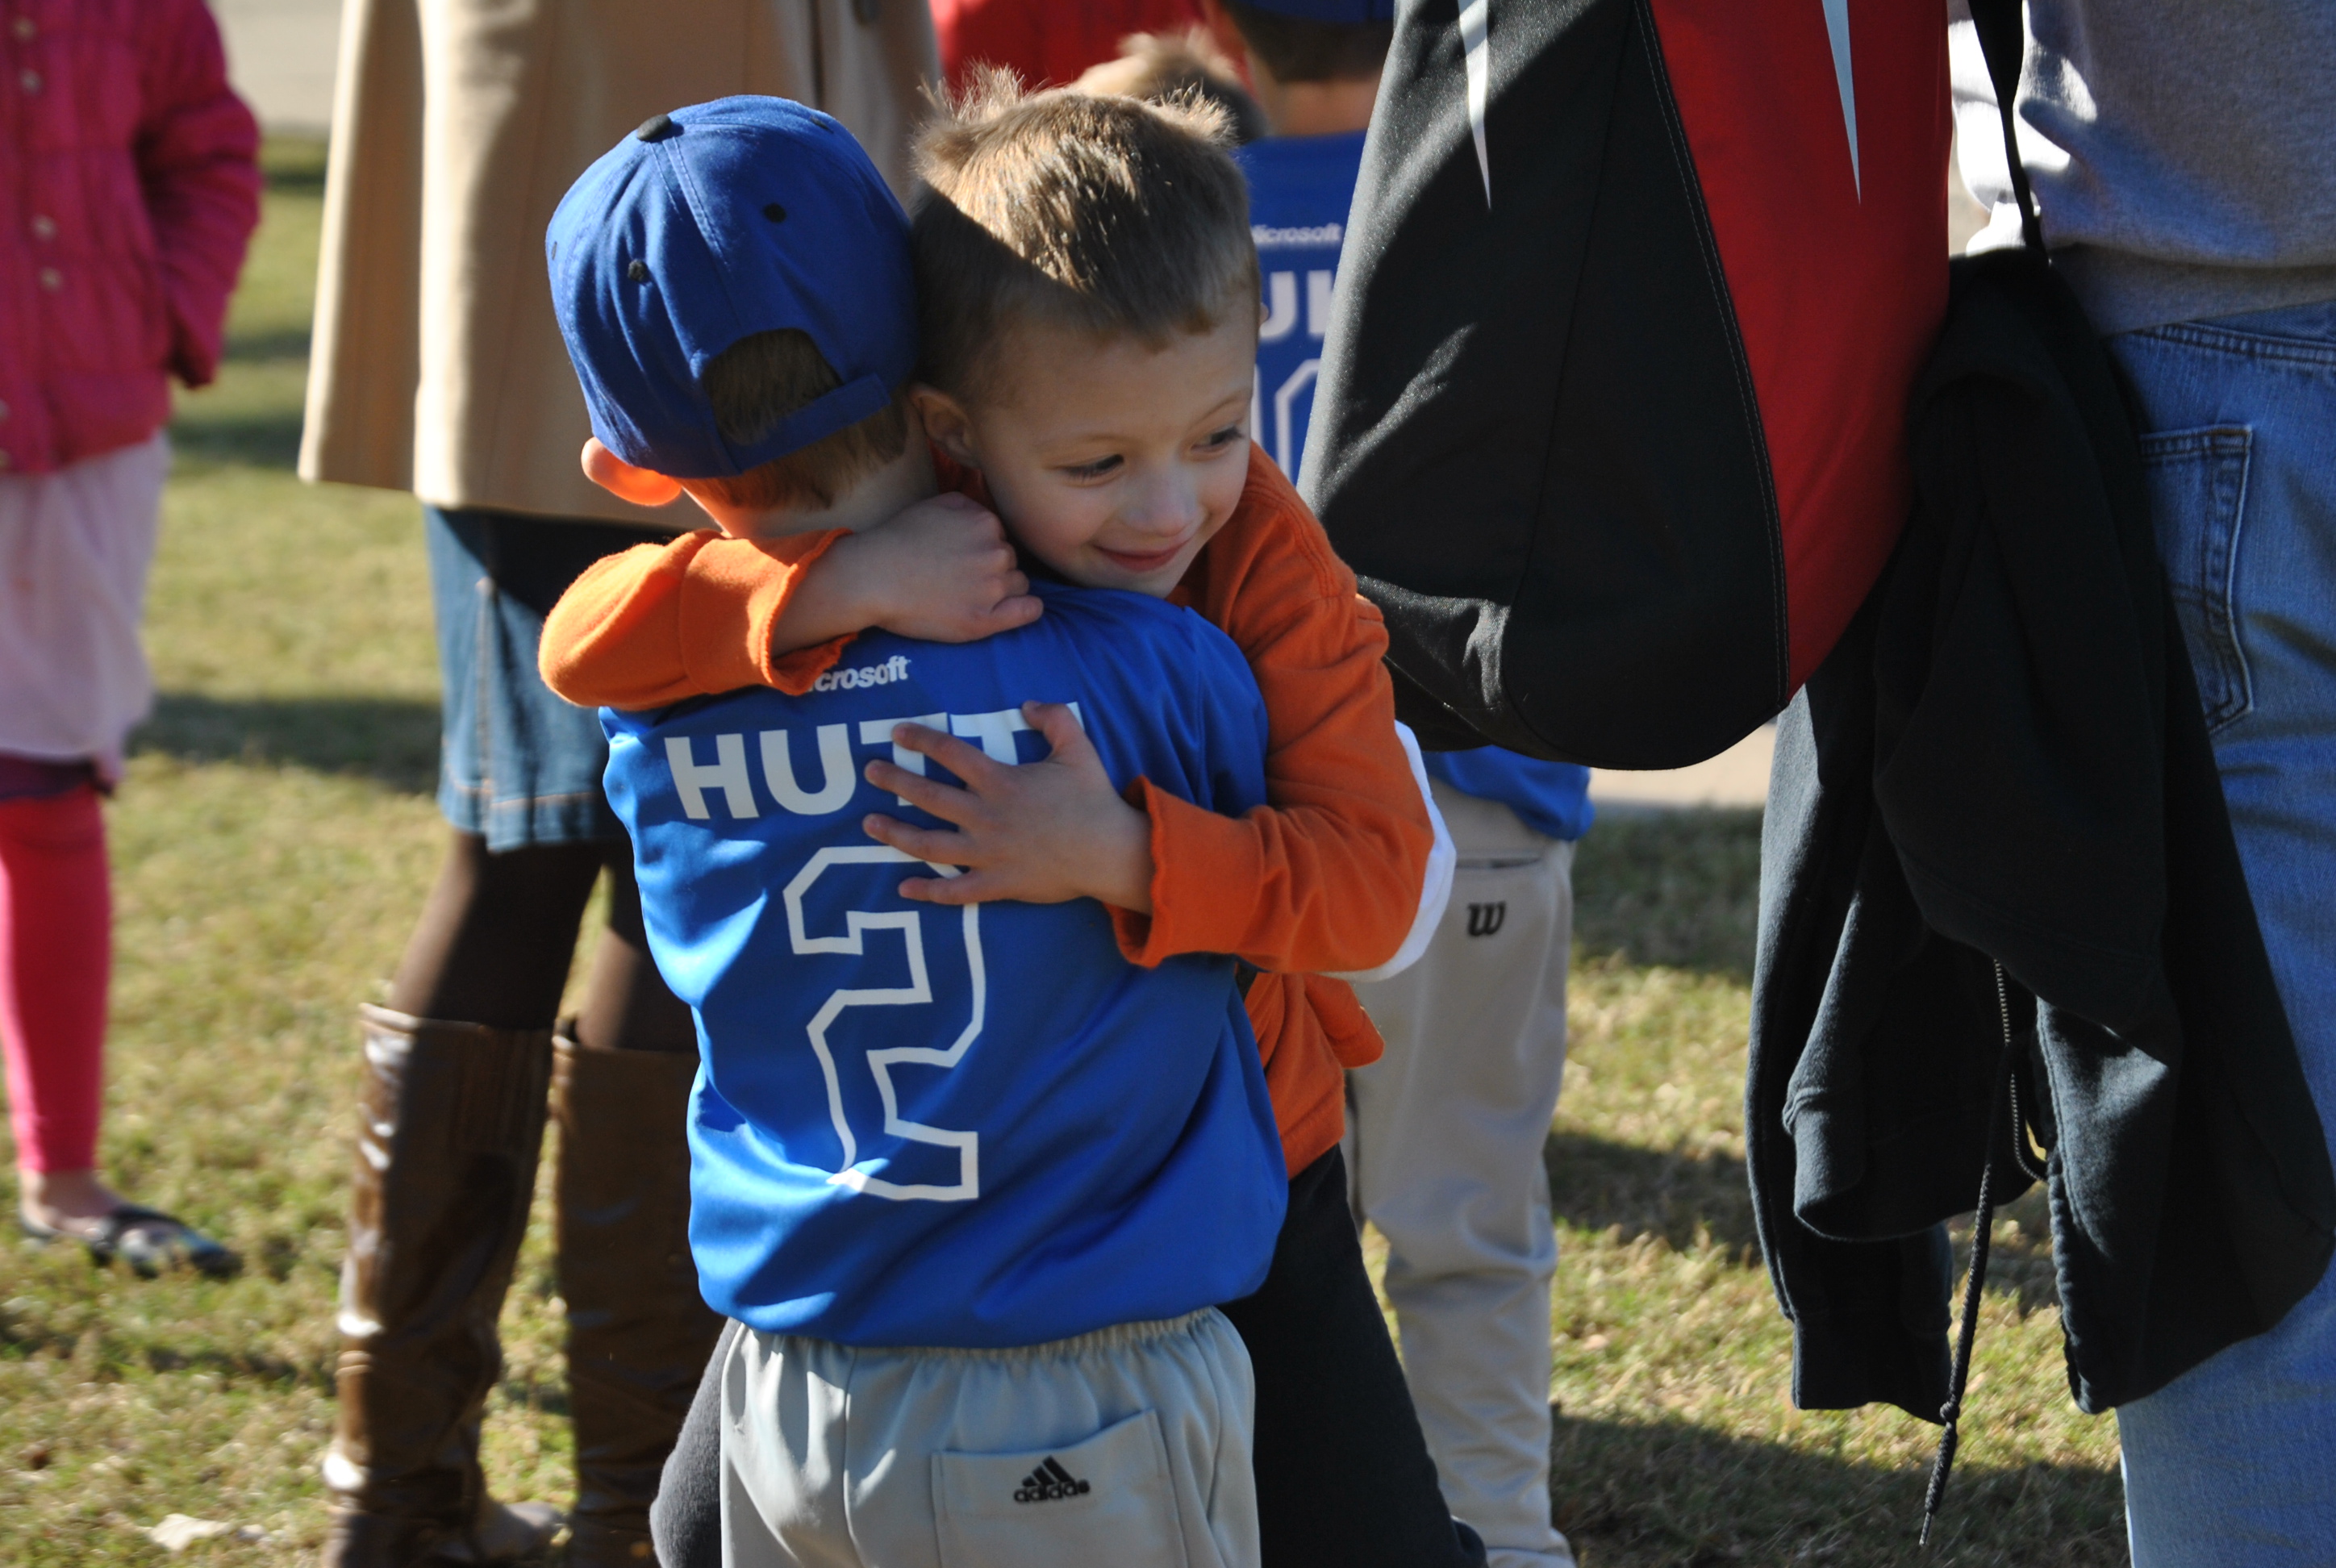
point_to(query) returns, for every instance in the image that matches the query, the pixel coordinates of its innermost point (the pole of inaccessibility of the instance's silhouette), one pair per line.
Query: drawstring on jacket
(2005, 1098)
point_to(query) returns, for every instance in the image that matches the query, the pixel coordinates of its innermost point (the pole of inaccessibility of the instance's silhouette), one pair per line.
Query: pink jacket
(129, 185)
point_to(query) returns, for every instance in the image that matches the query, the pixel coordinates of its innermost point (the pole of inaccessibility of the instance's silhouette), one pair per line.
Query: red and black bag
(1612, 420)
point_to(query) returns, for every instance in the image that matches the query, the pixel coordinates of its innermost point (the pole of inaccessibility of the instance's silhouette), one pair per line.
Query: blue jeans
(517, 765)
(2234, 1464)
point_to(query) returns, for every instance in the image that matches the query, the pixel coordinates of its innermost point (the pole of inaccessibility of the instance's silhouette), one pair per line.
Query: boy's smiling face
(1110, 460)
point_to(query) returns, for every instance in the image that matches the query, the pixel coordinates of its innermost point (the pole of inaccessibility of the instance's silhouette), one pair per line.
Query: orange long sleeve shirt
(1326, 876)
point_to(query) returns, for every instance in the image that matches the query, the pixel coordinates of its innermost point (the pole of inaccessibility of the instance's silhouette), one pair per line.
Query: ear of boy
(625, 482)
(946, 425)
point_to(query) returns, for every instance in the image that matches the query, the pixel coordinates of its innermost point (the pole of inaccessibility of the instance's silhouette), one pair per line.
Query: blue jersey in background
(1299, 190)
(921, 1126)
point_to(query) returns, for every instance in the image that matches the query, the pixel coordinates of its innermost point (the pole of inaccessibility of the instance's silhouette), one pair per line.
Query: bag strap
(2002, 32)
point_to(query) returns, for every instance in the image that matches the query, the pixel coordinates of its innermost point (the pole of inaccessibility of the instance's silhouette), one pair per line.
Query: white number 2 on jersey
(918, 992)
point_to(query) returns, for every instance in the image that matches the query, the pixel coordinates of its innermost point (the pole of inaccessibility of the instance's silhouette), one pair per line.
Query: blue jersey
(1553, 797)
(922, 1125)
(1299, 190)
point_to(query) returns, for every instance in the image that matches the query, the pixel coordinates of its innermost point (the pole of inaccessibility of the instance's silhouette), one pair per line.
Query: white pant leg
(1445, 1150)
(782, 1454)
(1129, 1446)
(75, 547)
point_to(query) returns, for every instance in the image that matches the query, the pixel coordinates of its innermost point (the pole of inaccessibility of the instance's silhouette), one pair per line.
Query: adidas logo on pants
(1046, 1483)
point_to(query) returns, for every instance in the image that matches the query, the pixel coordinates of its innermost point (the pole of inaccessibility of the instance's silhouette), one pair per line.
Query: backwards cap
(709, 225)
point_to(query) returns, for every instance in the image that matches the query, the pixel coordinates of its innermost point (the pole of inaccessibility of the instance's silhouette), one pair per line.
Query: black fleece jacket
(2004, 763)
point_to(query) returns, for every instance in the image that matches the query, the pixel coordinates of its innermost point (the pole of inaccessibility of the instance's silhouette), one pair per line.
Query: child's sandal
(147, 1239)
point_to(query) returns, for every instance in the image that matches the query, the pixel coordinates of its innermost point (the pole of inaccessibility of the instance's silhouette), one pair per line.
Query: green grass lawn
(272, 845)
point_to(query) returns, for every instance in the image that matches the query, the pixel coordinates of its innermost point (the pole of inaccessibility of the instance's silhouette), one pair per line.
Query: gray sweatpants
(1128, 1446)
(1444, 1150)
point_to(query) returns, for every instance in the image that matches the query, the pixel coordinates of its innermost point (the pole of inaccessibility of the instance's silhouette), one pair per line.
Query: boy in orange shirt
(1118, 455)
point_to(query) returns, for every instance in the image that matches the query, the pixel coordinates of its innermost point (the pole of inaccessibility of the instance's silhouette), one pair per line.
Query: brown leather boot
(446, 1157)
(639, 1333)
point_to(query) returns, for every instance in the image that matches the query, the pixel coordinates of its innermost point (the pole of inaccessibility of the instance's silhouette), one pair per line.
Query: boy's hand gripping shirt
(1327, 876)
(918, 1125)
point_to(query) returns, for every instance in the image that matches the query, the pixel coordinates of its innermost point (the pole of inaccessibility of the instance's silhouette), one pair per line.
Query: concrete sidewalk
(1736, 777)
(281, 55)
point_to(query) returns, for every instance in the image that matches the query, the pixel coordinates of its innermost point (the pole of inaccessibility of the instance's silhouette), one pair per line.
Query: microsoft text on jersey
(885, 673)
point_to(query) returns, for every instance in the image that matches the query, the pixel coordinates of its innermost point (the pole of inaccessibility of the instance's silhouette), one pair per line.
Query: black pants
(1343, 1476)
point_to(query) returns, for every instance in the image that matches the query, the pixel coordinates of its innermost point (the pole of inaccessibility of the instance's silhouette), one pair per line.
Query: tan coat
(458, 125)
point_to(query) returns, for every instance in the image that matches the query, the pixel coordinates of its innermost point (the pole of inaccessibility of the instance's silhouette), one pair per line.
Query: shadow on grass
(1599, 1185)
(259, 347)
(1675, 888)
(292, 164)
(1680, 1197)
(1635, 1495)
(260, 439)
(109, 1355)
(392, 741)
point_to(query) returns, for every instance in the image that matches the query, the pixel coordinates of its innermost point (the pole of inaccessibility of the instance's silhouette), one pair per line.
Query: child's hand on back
(940, 570)
(1042, 832)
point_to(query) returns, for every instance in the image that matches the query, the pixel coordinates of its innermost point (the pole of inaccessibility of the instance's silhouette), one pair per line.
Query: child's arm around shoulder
(1333, 874)
(656, 624)
(710, 613)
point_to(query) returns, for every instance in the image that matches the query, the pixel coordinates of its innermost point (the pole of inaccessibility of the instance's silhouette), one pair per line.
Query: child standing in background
(1444, 1132)
(133, 186)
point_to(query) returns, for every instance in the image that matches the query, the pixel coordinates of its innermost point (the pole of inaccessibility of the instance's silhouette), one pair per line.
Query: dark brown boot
(639, 1333)
(446, 1157)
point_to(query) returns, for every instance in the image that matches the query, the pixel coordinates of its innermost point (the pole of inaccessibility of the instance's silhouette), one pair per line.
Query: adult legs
(638, 1332)
(459, 1068)
(456, 1073)
(497, 934)
(1446, 1134)
(2231, 1462)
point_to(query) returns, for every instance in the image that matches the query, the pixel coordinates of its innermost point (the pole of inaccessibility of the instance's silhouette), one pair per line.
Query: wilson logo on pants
(1484, 919)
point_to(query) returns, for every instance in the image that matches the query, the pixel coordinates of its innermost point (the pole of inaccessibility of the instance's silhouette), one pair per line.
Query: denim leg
(518, 766)
(2235, 1462)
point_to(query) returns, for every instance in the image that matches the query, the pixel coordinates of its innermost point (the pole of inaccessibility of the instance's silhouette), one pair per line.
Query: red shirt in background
(1047, 41)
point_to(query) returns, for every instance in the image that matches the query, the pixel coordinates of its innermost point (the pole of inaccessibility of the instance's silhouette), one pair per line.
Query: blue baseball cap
(709, 225)
(1351, 11)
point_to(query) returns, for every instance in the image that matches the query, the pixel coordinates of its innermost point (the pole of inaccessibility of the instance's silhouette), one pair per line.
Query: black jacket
(2004, 762)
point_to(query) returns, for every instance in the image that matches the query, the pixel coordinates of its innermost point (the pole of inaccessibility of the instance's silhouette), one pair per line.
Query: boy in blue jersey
(1444, 1132)
(970, 1179)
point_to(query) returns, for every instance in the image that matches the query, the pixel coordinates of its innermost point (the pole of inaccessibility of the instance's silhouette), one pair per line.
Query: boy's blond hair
(757, 381)
(1104, 215)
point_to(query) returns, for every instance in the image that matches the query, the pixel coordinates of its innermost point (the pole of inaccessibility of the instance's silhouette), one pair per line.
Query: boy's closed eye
(1100, 468)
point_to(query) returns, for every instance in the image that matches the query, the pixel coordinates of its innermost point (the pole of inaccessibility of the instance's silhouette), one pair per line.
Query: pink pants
(56, 952)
